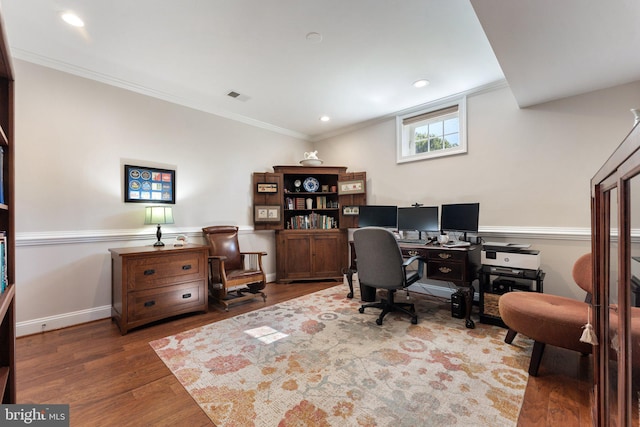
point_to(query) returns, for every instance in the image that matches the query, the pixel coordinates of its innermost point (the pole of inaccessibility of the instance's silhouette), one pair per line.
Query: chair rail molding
(43, 238)
(126, 235)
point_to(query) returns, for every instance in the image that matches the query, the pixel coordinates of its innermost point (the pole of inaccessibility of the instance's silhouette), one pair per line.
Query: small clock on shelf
(297, 184)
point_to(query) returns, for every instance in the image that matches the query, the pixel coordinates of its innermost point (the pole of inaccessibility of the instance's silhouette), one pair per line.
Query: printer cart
(504, 280)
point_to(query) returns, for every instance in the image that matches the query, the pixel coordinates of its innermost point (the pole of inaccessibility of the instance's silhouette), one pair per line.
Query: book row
(300, 203)
(312, 221)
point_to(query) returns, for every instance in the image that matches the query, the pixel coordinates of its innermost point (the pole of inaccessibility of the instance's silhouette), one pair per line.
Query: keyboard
(414, 241)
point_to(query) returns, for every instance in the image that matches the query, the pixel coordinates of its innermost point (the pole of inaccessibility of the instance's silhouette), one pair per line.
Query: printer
(510, 256)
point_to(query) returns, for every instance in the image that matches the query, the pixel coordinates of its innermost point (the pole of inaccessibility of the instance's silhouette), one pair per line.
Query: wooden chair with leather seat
(234, 276)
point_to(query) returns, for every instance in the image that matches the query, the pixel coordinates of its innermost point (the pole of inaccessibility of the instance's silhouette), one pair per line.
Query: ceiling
(359, 65)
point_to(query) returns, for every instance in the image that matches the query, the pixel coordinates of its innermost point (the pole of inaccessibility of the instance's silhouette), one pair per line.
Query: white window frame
(405, 133)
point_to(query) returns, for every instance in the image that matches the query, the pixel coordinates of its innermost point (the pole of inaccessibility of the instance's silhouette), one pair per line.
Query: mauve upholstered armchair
(549, 319)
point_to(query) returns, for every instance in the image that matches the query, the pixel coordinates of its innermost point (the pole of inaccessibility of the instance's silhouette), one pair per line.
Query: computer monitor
(421, 218)
(378, 216)
(461, 217)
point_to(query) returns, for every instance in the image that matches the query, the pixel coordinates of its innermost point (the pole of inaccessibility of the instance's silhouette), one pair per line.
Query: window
(435, 132)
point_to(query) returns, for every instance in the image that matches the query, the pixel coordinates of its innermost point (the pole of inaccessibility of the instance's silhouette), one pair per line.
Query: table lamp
(158, 215)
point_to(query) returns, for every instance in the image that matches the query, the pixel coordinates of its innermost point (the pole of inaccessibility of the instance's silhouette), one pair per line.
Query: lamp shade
(158, 215)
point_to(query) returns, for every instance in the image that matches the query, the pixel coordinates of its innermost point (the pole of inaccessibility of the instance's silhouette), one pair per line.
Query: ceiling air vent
(235, 95)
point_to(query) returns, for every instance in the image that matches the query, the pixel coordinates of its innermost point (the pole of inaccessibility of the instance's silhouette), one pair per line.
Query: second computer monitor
(422, 218)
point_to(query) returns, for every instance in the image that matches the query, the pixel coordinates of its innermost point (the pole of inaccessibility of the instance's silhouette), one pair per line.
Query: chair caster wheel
(414, 321)
(378, 322)
(361, 309)
(469, 324)
(350, 295)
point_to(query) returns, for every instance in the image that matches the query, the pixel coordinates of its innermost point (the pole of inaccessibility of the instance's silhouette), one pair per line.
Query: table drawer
(167, 301)
(442, 270)
(156, 271)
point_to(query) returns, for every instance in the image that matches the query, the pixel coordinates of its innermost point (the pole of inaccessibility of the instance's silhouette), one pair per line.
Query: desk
(457, 265)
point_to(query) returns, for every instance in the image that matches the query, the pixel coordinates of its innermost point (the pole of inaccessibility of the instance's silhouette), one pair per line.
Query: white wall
(73, 137)
(529, 169)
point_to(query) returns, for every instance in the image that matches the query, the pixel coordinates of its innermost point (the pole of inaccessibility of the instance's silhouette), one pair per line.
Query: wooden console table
(460, 266)
(152, 283)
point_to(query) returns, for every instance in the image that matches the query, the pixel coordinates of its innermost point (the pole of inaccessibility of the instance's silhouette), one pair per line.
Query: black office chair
(380, 265)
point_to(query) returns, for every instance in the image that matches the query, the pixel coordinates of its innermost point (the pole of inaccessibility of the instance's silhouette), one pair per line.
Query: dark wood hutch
(305, 205)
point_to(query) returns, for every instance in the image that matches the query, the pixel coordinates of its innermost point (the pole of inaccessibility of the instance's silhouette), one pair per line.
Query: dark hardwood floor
(114, 380)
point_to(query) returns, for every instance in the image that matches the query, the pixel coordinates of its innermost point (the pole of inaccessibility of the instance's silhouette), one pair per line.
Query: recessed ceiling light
(421, 83)
(325, 118)
(72, 19)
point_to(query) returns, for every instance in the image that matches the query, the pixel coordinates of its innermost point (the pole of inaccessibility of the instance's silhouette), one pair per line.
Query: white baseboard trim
(45, 324)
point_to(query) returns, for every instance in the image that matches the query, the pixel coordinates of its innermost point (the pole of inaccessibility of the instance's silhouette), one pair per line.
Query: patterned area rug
(316, 361)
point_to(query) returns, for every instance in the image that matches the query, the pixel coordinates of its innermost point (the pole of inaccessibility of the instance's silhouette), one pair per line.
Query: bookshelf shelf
(3, 137)
(6, 299)
(7, 227)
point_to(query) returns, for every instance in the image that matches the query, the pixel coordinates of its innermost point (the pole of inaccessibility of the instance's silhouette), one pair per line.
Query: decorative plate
(311, 184)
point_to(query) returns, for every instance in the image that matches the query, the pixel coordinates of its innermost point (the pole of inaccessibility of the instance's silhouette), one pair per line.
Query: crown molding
(144, 90)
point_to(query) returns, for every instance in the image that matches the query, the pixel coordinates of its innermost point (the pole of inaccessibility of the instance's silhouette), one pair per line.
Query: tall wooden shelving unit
(311, 243)
(7, 225)
(615, 216)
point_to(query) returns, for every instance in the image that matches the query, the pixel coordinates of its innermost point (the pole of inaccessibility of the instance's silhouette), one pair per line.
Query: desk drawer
(448, 255)
(167, 301)
(443, 270)
(155, 271)
(409, 252)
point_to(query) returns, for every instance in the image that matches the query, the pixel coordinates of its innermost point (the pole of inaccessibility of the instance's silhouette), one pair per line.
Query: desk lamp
(158, 215)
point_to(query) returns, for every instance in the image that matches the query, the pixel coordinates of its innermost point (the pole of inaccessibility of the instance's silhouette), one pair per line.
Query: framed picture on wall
(350, 210)
(266, 213)
(149, 185)
(267, 187)
(351, 187)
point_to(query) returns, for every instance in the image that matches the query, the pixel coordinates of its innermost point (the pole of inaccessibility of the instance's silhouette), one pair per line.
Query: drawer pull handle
(149, 303)
(186, 267)
(444, 255)
(185, 296)
(445, 270)
(149, 272)
(414, 253)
